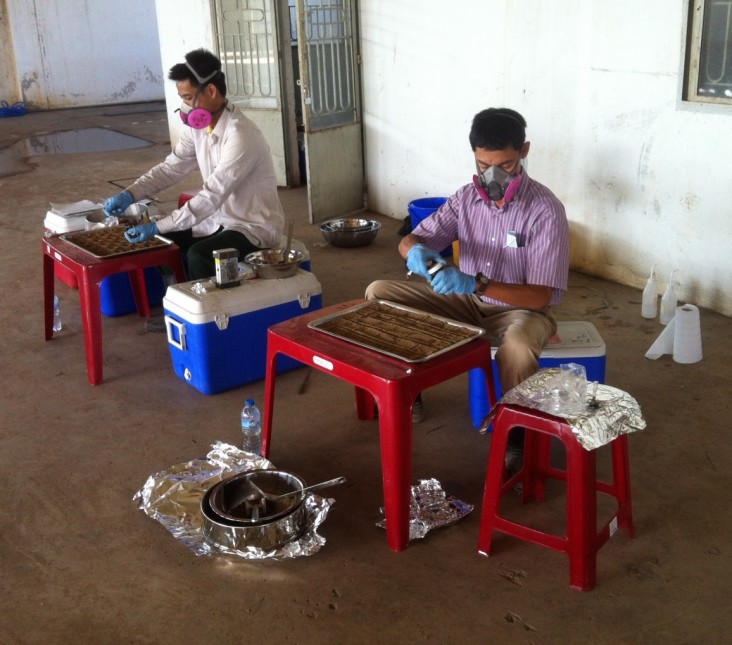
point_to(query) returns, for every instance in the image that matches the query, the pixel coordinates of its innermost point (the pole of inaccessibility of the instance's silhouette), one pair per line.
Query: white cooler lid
(251, 295)
(574, 339)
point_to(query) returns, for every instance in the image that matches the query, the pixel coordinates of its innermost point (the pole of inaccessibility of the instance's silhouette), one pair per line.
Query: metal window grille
(709, 54)
(330, 46)
(245, 36)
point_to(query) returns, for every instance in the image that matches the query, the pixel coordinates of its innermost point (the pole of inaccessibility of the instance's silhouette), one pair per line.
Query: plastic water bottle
(251, 428)
(669, 301)
(649, 306)
(56, 314)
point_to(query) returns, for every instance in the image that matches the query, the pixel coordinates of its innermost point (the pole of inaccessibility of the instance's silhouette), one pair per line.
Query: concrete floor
(80, 563)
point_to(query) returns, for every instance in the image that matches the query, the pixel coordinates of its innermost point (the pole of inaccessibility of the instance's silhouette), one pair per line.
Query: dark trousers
(198, 251)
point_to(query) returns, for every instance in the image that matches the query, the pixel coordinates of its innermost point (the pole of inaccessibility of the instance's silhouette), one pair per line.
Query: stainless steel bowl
(269, 263)
(234, 536)
(248, 498)
(350, 224)
(95, 219)
(349, 232)
(138, 210)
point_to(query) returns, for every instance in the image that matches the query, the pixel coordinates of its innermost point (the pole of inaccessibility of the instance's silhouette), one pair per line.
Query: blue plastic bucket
(421, 208)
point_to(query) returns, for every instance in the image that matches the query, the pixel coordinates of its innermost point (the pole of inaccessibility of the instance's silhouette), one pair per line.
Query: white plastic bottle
(251, 428)
(669, 301)
(649, 306)
(57, 325)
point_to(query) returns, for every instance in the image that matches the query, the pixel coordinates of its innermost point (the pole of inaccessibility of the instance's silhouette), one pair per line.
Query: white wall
(73, 53)
(181, 31)
(644, 178)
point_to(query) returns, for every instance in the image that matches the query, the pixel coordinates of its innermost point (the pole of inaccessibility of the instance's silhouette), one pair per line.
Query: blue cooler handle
(170, 324)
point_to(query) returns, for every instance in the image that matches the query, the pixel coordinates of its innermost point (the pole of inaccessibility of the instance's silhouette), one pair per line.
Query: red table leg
(91, 320)
(48, 293)
(395, 428)
(269, 390)
(139, 292)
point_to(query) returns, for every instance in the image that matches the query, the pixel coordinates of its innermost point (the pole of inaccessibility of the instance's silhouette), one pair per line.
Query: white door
(329, 82)
(248, 45)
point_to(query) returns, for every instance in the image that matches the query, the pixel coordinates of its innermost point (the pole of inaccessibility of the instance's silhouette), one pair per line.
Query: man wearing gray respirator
(238, 205)
(514, 256)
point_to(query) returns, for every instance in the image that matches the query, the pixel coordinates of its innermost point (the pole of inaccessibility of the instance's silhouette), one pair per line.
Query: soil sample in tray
(398, 331)
(110, 241)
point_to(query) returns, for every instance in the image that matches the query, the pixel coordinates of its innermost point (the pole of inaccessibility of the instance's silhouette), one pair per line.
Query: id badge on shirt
(514, 240)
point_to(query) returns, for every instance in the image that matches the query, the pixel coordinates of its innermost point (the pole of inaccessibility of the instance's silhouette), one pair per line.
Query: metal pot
(283, 521)
(270, 263)
(350, 232)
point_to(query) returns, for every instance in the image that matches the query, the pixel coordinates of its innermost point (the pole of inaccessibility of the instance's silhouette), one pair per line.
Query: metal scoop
(273, 498)
(286, 253)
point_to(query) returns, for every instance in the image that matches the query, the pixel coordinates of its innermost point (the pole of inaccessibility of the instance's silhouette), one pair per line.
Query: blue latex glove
(142, 232)
(450, 280)
(419, 259)
(118, 204)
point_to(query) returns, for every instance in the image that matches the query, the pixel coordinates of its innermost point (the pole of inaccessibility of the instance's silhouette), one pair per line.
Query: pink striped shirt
(525, 242)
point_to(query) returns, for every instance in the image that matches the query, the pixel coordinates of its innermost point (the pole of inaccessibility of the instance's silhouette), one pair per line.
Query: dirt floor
(81, 563)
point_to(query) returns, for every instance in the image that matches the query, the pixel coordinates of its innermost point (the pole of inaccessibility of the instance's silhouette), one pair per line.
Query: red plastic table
(392, 383)
(89, 271)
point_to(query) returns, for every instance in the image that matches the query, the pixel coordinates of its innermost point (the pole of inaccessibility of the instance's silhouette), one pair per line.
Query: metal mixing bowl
(269, 263)
(349, 232)
(268, 532)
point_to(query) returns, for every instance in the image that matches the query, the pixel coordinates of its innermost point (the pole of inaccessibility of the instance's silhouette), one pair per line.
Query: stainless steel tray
(110, 242)
(397, 330)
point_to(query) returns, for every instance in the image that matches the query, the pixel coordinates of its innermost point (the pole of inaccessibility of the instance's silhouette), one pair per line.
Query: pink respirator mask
(194, 117)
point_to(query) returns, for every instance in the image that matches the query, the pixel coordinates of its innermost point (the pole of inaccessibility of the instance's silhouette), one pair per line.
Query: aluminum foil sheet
(173, 498)
(605, 414)
(431, 508)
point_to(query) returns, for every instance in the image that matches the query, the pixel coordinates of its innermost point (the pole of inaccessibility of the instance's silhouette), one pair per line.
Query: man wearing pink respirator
(514, 255)
(238, 205)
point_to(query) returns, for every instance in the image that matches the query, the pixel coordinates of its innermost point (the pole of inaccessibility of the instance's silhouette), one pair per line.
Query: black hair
(497, 128)
(204, 63)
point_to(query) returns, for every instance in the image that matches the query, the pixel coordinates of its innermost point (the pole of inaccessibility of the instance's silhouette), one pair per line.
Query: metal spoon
(273, 498)
(286, 253)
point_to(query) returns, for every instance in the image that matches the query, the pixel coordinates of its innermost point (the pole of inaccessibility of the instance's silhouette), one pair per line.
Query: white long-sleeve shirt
(239, 182)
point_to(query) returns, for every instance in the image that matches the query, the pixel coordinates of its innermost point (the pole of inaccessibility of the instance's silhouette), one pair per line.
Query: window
(246, 46)
(709, 52)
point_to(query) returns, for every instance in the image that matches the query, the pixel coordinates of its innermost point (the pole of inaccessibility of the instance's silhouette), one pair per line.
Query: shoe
(417, 410)
(156, 324)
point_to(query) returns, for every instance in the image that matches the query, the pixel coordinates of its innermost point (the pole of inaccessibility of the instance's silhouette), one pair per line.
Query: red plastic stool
(186, 196)
(582, 540)
(89, 272)
(392, 383)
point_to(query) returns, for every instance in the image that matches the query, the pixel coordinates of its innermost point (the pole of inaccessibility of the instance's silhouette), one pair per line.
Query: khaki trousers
(518, 334)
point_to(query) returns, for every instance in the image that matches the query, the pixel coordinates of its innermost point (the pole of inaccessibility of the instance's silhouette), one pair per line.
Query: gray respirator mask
(495, 184)
(496, 181)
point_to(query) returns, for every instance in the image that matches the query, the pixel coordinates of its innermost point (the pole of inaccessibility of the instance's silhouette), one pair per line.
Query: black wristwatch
(481, 284)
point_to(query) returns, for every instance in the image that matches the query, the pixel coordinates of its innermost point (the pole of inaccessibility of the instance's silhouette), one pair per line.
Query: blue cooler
(420, 209)
(218, 339)
(575, 342)
(115, 292)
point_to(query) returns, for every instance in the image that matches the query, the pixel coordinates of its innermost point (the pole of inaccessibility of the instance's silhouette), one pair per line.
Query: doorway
(292, 66)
